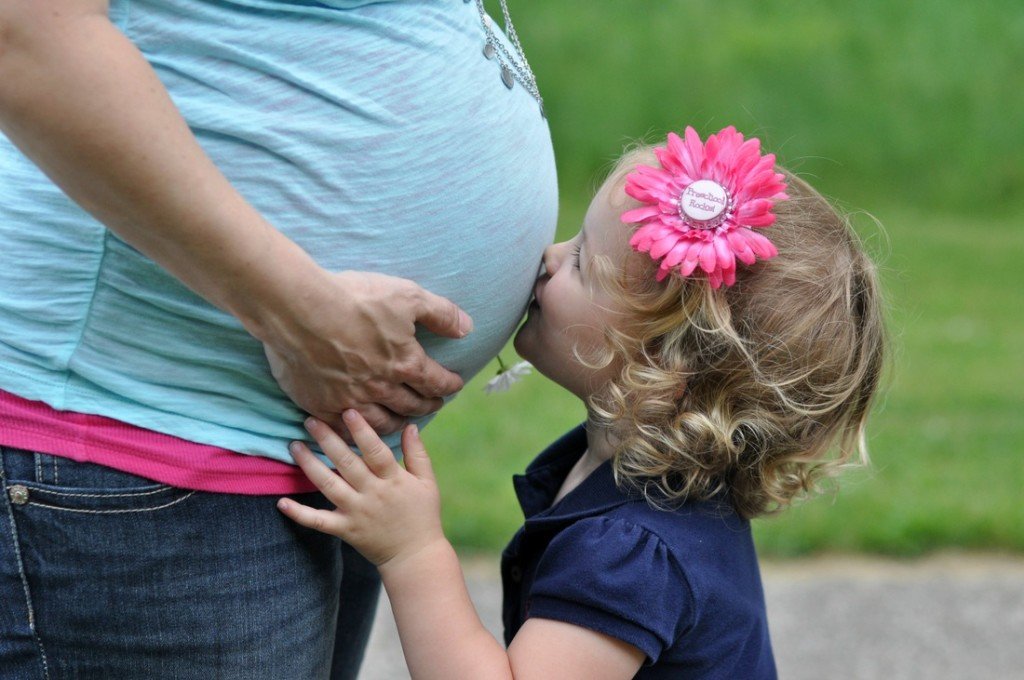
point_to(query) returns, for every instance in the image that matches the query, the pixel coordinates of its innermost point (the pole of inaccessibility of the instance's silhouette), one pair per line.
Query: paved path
(944, 617)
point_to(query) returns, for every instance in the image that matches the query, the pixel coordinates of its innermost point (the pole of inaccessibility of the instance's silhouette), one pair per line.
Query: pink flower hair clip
(703, 204)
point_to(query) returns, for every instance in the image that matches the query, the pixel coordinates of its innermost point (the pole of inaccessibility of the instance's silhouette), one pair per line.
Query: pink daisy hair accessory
(702, 205)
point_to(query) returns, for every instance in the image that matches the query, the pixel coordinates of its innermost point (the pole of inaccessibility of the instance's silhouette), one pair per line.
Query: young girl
(720, 361)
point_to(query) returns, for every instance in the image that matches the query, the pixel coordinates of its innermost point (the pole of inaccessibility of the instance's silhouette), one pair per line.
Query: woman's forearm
(441, 633)
(80, 100)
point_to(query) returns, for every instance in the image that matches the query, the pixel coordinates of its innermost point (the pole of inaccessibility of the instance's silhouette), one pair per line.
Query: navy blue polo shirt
(683, 586)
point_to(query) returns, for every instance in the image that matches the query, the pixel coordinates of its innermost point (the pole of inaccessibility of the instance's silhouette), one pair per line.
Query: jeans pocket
(45, 481)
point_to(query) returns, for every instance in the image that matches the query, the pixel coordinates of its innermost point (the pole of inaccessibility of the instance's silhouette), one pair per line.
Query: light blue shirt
(375, 135)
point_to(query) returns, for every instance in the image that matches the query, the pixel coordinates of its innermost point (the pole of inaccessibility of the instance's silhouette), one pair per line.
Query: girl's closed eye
(576, 256)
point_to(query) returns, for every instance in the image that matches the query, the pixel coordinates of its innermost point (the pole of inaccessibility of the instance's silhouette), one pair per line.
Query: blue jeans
(104, 574)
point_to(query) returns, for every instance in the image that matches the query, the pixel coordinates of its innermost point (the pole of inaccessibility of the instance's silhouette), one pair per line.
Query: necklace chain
(516, 66)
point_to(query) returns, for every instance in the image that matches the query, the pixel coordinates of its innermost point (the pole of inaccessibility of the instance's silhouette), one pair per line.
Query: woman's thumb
(442, 316)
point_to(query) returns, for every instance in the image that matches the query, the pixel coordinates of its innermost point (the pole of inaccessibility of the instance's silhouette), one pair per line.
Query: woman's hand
(387, 513)
(348, 342)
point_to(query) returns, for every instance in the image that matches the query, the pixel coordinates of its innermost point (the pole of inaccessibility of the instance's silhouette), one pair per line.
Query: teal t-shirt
(376, 135)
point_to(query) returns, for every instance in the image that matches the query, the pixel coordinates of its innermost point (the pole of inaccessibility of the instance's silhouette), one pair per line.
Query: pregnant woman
(217, 216)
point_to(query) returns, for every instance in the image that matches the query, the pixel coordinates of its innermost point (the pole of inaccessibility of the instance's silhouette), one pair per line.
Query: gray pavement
(943, 617)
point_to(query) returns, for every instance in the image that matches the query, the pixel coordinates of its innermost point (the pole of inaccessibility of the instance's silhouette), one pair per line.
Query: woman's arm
(82, 102)
(392, 516)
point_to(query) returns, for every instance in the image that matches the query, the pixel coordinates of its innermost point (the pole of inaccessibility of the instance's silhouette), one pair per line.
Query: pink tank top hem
(35, 426)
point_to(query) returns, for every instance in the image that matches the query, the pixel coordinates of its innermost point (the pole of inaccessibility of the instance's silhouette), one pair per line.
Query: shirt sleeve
(616, 578)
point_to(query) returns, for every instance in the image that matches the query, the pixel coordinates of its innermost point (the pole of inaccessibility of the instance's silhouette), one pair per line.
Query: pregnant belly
(399, 153)
(394, 148)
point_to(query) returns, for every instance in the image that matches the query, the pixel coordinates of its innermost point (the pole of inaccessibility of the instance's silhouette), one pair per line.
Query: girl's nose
(552, 258)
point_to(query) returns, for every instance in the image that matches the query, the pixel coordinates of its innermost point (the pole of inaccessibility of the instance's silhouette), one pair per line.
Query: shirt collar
(536, 489)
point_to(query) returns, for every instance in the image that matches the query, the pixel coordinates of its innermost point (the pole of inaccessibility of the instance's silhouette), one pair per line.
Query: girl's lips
(536, 292)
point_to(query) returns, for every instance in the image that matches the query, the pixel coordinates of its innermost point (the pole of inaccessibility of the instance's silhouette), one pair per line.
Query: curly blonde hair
(761, 389)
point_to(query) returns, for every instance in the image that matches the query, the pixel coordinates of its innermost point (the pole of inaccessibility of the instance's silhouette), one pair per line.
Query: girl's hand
(386, 512)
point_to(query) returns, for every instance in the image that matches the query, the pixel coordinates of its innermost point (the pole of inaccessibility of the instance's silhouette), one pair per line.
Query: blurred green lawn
(913, 111)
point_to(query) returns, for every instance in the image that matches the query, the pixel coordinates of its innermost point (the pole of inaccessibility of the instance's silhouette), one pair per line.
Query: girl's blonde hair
(745, 389)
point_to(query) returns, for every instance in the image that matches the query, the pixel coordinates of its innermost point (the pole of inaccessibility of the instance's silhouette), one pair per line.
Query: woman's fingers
(320, 520)
(382, 420)
(376, 454)
(402, 399)
(417, 461)
(428, 379)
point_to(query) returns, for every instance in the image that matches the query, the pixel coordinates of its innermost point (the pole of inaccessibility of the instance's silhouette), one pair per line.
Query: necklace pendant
(494, 50)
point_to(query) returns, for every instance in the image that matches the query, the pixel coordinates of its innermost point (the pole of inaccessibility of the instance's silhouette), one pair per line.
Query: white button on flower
(703, 201)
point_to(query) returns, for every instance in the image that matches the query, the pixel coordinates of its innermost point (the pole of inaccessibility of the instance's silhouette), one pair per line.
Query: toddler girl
(721, 361)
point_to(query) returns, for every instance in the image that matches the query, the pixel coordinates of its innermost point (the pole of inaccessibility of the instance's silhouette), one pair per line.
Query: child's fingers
(322, 520)
(336, 489)
(376, 454)
(416, 459)
(345, 459)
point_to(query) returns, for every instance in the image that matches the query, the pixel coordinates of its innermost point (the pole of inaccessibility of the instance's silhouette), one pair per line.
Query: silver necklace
(513, 68)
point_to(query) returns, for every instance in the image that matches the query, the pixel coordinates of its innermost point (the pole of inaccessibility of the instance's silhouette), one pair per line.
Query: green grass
(914, 103)
(910, 110)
